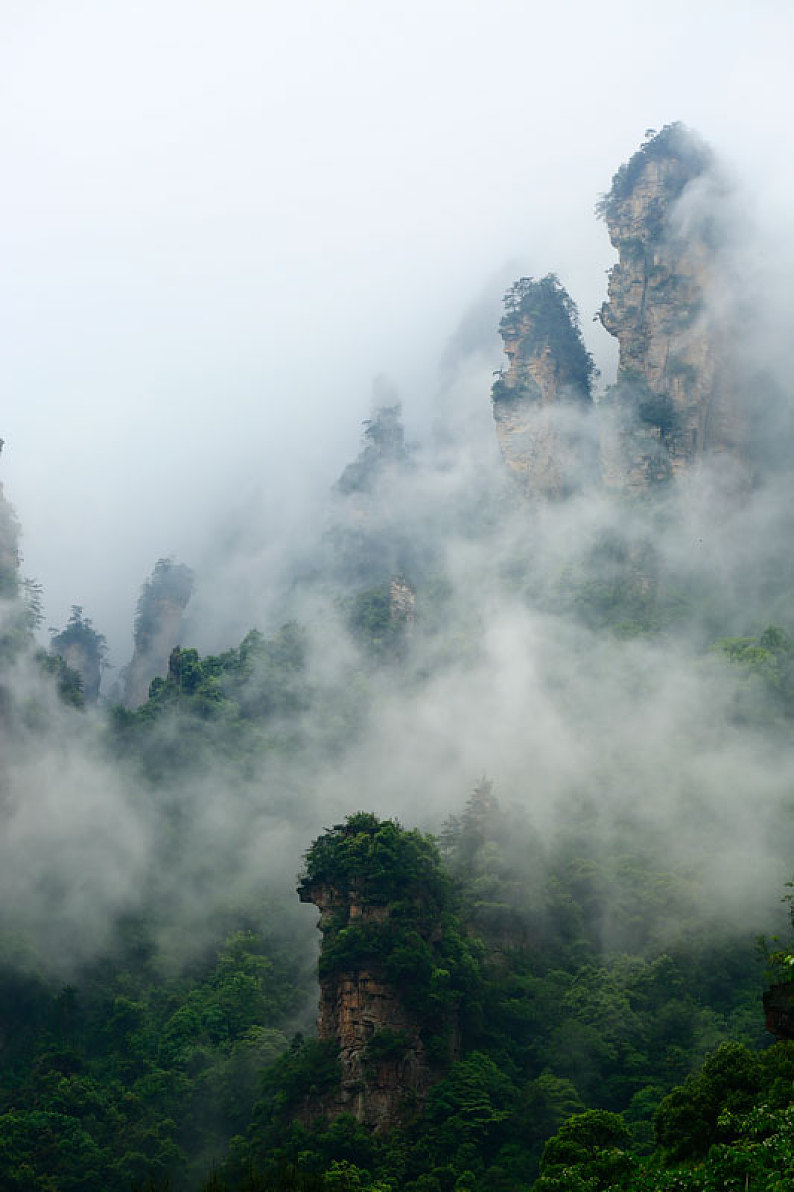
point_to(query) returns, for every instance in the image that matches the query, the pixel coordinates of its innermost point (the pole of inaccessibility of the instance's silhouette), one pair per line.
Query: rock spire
(674, 401)
(540, 398)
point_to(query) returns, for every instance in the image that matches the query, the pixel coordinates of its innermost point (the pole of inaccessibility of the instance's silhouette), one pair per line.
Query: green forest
(468, 867)
(576, 1040)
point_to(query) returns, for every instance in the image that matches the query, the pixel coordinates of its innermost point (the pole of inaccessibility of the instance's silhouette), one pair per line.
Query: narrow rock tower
(393, 965)
(674, 401)
(540, 401)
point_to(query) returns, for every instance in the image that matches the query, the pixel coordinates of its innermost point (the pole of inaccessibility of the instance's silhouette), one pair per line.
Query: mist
(221, 229)
(218, 228)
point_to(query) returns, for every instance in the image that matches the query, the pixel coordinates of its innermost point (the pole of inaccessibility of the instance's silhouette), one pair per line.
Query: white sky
(219, 221)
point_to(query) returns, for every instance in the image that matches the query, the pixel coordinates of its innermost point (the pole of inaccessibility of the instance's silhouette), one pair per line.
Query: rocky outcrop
(674, 401)
(158, 622)
(385, 1069)
(541, 398)
(82, 649)
(393, 966)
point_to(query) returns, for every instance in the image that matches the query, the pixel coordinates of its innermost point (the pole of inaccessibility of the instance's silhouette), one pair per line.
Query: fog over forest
(220, 227)
(510, 671)
(280, 465)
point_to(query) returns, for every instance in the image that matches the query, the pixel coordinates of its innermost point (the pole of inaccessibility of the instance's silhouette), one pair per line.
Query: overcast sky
(220, 221)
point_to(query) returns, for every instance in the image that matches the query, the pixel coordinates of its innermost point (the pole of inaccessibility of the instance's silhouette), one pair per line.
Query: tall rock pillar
(674, 401)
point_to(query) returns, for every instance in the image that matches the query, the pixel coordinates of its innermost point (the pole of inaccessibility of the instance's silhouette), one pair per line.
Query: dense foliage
(591, 1023)
(541, 314)
(572, 1021)
(233, 705)
(80, 641)
(383, 861)
(132, 1074)
(418, 944)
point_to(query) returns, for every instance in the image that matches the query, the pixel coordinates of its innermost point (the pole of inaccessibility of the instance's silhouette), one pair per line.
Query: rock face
(158, 620)
(674, 401)
(540, 400)
(385, 1068)
(393, 966)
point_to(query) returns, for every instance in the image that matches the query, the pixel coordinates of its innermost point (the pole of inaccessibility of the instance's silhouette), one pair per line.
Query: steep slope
(540, 399)
(674, 401)
(384, 905)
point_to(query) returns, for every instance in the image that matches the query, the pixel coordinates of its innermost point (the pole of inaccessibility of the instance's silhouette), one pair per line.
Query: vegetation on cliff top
(542, 314)
(419, 944)
(169, 583)
(378, 861)
(686, 154)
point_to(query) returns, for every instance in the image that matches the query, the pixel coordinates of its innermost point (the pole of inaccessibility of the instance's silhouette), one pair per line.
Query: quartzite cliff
(382, 899)
(540, 399)
(675, 400)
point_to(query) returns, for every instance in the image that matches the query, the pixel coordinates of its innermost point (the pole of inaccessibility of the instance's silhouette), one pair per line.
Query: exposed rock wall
(675, 400)
(359, 1010)
(540, 399)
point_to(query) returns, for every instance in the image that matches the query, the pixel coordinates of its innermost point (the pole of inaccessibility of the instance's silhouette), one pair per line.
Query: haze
(220, 222)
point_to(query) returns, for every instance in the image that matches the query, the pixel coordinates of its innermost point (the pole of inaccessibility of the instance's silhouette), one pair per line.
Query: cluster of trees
(231, 707)
(419, 943)
(559, 1031)
(581, 1027)
(686, 156)
(595, 1049)
(131, 1076)
(543, 314)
